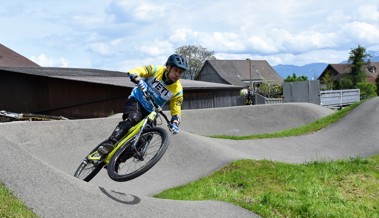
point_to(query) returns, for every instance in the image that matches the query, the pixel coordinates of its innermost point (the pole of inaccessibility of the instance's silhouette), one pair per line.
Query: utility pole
(251, 81)
(250, 91)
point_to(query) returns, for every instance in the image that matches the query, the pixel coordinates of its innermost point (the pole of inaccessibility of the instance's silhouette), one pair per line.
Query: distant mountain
(374, 56)
(312, 71)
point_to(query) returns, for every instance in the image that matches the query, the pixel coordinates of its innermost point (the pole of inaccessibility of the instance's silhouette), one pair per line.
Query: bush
(345, 82)
(368, 90)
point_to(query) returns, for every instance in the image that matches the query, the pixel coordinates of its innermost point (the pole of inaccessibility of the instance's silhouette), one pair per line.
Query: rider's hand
(175, 128)
(142, 85)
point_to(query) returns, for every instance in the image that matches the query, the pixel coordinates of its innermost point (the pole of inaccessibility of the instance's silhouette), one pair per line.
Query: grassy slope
(345, 188)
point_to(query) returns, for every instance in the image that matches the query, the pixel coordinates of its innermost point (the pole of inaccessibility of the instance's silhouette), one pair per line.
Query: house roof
(114, 78)
(342, 69)
(237, 71)
(10, 58)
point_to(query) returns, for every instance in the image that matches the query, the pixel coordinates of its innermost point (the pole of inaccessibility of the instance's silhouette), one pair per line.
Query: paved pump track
(38, 159)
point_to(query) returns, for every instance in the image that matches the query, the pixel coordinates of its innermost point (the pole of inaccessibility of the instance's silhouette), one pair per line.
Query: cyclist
(249, 97)
(162, 83)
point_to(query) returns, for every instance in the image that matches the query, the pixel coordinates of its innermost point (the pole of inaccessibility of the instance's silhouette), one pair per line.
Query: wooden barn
(87, 93)
(25, 87)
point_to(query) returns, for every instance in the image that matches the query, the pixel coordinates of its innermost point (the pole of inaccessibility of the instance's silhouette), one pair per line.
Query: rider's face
(174, 73)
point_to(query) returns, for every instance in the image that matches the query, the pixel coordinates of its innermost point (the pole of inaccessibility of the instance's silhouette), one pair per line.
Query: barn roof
(114, 78)
(10, 58)
(14, 62)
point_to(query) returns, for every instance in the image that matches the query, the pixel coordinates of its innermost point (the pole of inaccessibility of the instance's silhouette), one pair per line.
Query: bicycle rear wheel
(89, 168)
(127, 164)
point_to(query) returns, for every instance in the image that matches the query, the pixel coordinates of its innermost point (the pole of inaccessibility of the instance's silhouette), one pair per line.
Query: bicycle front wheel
(89, 168)
(127, 164)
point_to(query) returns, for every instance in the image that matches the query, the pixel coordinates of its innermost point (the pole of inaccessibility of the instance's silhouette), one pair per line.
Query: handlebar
(157, 108)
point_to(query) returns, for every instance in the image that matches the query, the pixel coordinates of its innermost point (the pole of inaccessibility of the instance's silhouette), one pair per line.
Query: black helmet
(177, 61)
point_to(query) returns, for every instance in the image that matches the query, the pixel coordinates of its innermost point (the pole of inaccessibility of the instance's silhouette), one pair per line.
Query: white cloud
(362, 33)
(132, 63)
(156, 48)
(147, 11)
(369, 12)
(221, 41)
(317, 56)
(125, 31)
(91, 19)
(127, 11)
(183, 35)
(336, 18)
(44, 61)
(100, 48)
(264, 45)
(309, 40)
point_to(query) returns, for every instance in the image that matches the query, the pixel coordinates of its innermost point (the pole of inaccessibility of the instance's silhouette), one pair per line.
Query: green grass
(11, 207)
(345, 188)
(306, 129)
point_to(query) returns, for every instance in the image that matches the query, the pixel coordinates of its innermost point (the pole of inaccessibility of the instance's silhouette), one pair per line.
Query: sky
(122, 34)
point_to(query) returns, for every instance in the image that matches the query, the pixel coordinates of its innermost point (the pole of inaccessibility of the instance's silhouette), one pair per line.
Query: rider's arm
(145, 71)
(176, 108)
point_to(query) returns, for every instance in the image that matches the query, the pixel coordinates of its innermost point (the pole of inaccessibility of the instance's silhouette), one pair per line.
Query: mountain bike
(137, 152)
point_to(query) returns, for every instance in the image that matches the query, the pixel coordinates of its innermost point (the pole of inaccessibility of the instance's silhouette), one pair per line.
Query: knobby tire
(124, 165)
(88, 168)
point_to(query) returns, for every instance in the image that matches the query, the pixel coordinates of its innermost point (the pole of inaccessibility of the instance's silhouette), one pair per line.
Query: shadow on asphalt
(121, 197)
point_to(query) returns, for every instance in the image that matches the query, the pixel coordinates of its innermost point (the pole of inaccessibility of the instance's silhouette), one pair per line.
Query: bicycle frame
(134, 131)
(132, 147)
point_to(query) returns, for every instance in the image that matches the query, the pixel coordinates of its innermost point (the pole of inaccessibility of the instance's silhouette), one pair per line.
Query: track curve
(39, 158)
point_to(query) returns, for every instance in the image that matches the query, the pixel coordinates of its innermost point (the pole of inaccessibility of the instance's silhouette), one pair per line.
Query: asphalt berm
(39, 158)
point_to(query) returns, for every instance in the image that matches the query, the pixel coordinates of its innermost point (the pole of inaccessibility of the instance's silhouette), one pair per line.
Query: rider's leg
(121, 129)
(131, 116)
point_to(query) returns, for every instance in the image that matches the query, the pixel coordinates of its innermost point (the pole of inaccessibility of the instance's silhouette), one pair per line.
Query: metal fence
(309, 91)
(339, 98)
(259, 99)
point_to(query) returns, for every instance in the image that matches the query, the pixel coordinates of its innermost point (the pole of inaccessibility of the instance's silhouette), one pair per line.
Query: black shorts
(134, 110)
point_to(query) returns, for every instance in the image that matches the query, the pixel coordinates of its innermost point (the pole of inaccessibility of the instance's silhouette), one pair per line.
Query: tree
(294, 78)
(346, 82)
(358, 60)
(196, 56)
(269, 89)
(328, 81)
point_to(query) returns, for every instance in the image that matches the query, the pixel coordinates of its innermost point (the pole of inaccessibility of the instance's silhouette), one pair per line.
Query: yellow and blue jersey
(158, 89)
